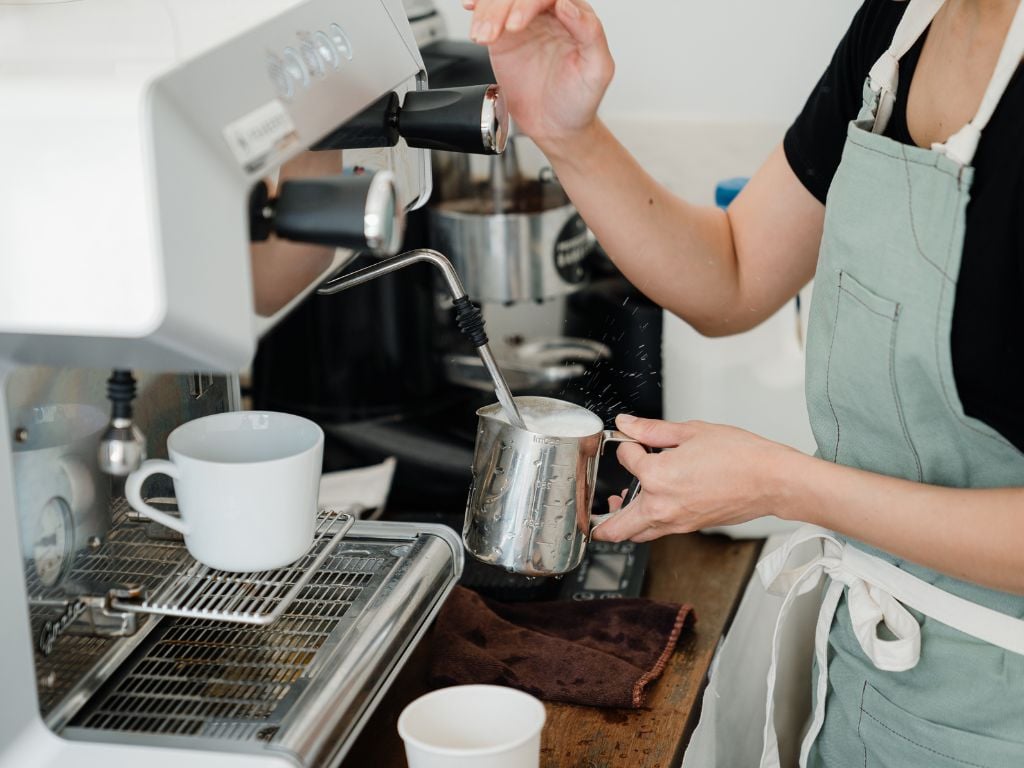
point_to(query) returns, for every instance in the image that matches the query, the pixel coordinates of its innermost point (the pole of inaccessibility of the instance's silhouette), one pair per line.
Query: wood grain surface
(709, 573)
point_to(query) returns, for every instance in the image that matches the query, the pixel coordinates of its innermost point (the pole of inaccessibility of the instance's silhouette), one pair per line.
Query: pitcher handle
(614, 436)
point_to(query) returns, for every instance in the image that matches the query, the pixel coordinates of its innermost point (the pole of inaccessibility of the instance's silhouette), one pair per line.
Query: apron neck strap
(962, 145)
(883, 78)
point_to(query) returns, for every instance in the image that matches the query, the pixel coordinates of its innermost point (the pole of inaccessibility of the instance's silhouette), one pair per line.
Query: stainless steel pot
(530, 498)
(531, 250)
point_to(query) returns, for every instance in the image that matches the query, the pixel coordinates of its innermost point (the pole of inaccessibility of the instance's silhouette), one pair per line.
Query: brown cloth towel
(603, 653)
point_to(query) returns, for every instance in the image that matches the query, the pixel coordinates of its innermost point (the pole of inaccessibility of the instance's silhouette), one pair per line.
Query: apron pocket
(870, 431)
(894, 738)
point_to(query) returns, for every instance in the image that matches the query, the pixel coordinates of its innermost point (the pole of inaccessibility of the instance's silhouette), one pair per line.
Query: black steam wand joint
(468, 316)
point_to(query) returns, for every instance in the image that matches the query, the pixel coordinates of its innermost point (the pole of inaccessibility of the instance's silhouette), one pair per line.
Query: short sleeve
(814, 142)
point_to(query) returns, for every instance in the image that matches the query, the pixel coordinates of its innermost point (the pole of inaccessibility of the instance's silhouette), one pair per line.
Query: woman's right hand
(551, 59)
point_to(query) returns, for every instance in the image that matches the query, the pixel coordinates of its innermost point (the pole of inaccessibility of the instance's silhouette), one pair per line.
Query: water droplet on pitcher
(568, 537)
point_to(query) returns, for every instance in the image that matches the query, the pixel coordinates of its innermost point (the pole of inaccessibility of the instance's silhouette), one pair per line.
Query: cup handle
(133, 492)
(614, 436)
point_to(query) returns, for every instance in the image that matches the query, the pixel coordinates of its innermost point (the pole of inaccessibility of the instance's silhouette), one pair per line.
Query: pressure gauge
(54, 542)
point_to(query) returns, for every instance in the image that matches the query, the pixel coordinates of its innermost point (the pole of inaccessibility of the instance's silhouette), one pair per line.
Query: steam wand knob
(361, 212)
(123, 446)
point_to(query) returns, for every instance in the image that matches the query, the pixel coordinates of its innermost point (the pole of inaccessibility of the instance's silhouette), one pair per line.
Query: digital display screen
(605, 572)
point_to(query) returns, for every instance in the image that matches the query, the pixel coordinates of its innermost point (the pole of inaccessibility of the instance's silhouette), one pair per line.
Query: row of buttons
(316, 53)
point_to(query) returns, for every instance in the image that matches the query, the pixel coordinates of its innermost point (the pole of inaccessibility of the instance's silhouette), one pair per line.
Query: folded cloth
(603, 653)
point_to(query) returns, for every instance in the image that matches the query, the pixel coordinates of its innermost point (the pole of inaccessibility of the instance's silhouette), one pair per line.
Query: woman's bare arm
(710, 475)
(722, 272)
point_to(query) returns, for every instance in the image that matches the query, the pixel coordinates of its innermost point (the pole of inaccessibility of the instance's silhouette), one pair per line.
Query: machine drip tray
(303, 684)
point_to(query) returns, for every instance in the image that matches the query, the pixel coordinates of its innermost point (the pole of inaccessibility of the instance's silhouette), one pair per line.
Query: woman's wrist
(574, 149)
(790, 483)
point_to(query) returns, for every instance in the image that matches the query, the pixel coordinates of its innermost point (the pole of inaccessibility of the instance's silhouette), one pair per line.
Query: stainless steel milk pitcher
(529, 501)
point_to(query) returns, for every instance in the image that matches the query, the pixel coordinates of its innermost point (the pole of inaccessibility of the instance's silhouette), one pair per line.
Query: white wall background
(710, 60)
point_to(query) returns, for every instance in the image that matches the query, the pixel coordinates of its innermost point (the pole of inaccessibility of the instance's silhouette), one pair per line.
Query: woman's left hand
(706, 475)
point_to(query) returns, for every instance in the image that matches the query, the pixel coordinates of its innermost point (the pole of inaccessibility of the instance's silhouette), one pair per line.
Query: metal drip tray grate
(205, 678)
(303, 686)
(173, 585)
(199, 592)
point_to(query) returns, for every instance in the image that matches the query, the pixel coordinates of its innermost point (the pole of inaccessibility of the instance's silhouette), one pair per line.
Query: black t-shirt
(988, 318)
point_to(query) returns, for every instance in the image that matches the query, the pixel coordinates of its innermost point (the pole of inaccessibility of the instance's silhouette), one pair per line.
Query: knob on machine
(472, 119)
(358, 212)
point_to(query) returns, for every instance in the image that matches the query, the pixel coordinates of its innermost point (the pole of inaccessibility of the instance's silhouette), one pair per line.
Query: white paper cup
(478, 726)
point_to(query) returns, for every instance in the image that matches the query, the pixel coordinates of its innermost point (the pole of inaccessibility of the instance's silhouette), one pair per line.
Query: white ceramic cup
(473, 726)
(246, 484)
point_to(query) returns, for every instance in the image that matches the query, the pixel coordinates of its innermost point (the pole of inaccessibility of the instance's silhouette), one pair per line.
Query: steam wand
(469, 318)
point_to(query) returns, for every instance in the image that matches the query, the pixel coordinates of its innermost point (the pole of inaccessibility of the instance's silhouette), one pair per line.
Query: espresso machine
(562, 320)
(159, 216)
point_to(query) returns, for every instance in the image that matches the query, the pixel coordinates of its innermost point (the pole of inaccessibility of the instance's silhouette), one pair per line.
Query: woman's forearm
(721, 272)
(679, 255)
(972, 534)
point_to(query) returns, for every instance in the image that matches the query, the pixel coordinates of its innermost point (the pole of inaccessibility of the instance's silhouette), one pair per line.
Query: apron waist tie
(878, 591)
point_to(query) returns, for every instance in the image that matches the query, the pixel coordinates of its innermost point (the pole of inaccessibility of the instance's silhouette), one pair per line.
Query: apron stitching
(922, 746)
(883, 153)
(864, 745)
(896, 397)
(913, 225)
(856, 298)
(942, 371)
(828, 369)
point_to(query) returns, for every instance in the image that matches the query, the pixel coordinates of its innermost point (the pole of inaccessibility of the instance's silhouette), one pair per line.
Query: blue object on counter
(727, 190)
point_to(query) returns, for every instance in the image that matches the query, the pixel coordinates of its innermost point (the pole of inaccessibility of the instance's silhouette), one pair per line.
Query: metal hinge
(93, 615)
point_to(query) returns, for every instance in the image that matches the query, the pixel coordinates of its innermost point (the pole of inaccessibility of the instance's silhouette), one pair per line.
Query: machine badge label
(571, 248)
(260, 135)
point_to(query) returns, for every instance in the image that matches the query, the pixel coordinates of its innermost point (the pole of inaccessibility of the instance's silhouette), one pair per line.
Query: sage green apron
(942, 684)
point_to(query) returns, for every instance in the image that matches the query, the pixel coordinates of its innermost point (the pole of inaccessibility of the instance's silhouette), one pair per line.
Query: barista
(915, 356)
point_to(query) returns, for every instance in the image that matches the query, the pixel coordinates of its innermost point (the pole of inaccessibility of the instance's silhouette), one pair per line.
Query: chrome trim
(494, 120)
(383, 218)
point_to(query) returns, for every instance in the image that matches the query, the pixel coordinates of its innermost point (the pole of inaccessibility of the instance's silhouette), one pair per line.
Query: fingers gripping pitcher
(529, 501)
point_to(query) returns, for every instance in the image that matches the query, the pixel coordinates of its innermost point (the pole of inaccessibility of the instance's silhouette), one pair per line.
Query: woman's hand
(707, 475)
(551, 59)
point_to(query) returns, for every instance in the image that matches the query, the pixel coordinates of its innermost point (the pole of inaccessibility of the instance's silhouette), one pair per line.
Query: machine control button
(627, 546)
(582, 596)
(282, 83)
(295, 67)
(340, 39)
(326, 50)
(314, 64)
(610, 596)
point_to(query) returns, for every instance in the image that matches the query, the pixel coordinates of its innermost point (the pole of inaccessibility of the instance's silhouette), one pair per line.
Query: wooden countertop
(709, 573)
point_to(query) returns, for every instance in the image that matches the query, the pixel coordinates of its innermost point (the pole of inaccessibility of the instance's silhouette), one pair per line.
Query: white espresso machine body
(133, 135)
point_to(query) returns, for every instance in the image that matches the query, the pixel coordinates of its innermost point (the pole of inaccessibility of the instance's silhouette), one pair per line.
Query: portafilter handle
(467, 315)
(360, 212)
(471, 119)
